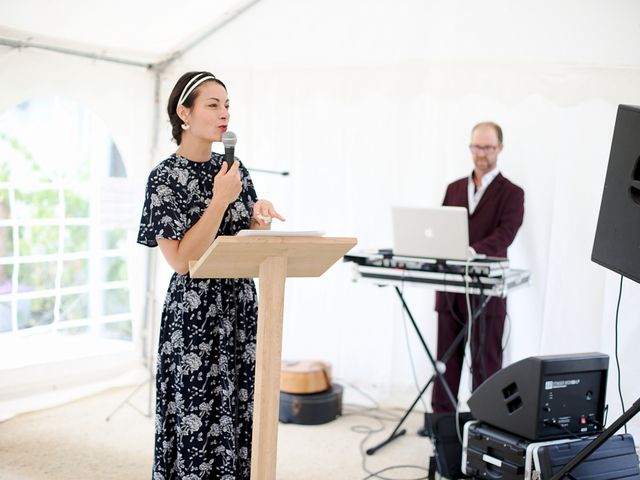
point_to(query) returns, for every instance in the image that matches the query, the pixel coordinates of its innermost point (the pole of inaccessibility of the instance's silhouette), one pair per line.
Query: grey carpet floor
(74, 441)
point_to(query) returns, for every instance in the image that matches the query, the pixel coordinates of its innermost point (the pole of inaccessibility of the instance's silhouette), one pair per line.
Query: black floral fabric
(206, 351)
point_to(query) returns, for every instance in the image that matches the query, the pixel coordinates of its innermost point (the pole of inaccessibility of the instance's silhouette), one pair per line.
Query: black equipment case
(489, 452)
(311, 408)
(447, 449)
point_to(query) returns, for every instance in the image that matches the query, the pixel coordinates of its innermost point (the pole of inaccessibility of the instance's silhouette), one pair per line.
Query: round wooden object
(306, 376)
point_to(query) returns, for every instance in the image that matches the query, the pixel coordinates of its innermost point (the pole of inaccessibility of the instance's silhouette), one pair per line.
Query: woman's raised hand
(227, 184)
(263, 212)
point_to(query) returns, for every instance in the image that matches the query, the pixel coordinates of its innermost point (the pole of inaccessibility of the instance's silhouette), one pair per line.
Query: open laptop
(439, 232)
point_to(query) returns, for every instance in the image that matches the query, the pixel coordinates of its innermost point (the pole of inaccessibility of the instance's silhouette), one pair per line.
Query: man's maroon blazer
(492, 227)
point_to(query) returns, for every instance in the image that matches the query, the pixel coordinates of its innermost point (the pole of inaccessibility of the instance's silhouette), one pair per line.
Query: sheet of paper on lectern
(280, 233)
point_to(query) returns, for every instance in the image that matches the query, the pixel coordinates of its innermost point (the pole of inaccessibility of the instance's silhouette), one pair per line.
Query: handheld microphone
(229, 140)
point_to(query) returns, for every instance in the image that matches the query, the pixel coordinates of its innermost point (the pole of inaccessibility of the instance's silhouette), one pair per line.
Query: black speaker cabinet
(545, 397)
(618, 233)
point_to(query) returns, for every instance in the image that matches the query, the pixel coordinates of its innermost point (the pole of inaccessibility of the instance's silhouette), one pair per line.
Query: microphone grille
(229, 139)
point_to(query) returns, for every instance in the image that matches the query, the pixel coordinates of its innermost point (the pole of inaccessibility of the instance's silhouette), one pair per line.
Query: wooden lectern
(271, 259)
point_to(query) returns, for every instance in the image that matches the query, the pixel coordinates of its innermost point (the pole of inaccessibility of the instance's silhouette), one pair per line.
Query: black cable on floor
(370, 431)
(379, 415)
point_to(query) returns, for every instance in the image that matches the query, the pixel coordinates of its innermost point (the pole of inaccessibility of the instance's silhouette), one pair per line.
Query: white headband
(190, 87)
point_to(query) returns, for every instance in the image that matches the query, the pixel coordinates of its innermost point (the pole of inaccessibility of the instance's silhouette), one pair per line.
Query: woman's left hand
(263, 213)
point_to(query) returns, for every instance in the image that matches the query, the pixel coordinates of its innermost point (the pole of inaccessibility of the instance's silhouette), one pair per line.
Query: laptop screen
(438, 232)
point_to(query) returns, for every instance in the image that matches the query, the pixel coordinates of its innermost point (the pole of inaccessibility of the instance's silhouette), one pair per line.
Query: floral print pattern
(206, 351)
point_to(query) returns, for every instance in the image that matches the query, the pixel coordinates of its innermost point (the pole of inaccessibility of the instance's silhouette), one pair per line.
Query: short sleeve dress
(206, 351)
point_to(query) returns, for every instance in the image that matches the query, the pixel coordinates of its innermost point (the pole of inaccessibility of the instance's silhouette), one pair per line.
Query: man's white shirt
(474, 195)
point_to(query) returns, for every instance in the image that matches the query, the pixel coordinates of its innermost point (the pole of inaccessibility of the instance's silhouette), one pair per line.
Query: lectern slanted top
(240, 257)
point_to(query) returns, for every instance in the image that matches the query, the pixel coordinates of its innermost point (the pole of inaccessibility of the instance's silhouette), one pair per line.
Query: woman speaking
(206, 351)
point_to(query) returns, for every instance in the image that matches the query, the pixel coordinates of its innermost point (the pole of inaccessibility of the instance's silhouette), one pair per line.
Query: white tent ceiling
(146, 31)
(383, 32)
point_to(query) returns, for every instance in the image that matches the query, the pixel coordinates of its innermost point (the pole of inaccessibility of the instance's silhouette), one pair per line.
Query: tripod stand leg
(395, 434)
(432, 468)
(126, 400)
(437, 372)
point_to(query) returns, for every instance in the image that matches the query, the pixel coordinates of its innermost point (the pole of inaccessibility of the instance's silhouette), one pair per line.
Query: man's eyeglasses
(483, 148)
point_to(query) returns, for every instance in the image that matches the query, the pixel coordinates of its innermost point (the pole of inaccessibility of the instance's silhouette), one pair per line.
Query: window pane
(54, 156)
(38, 204)
(6, 241)
(6, 271)
(4, 161)
(5, 316)
(73, 330)
(76, 204)
(74, 273)
(117, 330)
(76, 238)
(74, 307)
(114, 238)
(116, 166)
(116, 301)
(34, 312)
(5, 210)
(39, 240)
(114, 269)
(36, 276)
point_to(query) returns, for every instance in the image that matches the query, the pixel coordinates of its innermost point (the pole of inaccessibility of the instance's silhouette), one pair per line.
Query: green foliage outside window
(114, 238)
(116, 301)
(38, 240)
(74, 307)
(75, 273)
(36, 276)
(114, 269)
(5, 317)
(6, 241)
(35, 312)
(38, 204)
(6, 272)
(5, 205)
(76, 238)
(76, 205)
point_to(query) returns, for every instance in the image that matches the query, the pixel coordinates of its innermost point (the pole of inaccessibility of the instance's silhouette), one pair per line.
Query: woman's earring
(184, 126)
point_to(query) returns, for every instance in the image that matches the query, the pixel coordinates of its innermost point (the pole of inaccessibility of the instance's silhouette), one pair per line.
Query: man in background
(496, 210)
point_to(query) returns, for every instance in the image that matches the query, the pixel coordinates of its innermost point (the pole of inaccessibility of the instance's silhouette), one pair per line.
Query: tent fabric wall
(369, 105)
(373, 108)
(355, 149)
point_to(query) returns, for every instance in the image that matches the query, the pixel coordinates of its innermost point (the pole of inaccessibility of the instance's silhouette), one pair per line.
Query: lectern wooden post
(272, 259)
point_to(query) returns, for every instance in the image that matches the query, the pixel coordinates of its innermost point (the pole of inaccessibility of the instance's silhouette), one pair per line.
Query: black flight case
(491, 453)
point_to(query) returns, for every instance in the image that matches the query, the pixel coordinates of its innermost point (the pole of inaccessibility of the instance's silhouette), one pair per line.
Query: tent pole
(19, 44)
(149, 306)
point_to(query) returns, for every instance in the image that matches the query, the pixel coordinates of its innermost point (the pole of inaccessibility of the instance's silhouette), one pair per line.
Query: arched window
(63, 269)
